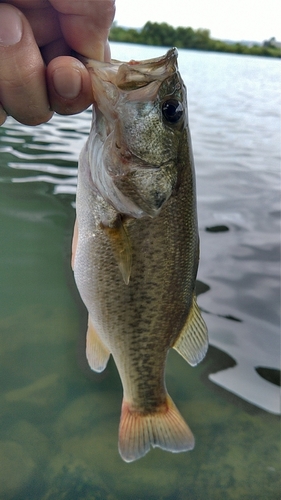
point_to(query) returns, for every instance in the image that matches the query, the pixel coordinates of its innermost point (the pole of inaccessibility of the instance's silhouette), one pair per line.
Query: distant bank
(162, 34)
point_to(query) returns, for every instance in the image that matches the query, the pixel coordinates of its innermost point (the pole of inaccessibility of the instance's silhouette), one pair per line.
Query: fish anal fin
(96, 352)
(192, 343)
(121, 247)
(165, 428)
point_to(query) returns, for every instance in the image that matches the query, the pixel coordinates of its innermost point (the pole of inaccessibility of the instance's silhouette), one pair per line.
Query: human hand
(37, 74)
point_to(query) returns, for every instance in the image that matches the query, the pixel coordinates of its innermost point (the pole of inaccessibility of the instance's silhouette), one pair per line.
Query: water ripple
(235, 125)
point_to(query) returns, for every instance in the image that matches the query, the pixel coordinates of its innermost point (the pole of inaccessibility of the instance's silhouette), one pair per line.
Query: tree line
(162, 34)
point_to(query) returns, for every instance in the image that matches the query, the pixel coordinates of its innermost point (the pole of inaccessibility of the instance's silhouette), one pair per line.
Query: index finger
(85, 25)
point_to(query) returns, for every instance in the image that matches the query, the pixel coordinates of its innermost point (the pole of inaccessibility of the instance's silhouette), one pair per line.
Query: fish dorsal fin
(122, 249)
(96, 352)
(192, 344)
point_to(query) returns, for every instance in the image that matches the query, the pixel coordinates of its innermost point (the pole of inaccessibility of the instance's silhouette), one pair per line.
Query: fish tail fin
(164, 428)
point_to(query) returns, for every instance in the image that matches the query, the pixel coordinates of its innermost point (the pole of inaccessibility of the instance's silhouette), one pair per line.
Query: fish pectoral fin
(192, 343)
(121, 247)
(165, 428)
(96, 352)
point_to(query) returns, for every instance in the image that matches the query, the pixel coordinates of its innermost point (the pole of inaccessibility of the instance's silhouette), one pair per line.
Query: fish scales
(136, 248)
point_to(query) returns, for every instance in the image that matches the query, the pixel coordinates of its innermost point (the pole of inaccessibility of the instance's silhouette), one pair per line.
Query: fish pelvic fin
(121, 247)
(96, 352)
(164, 428)
(192, 344)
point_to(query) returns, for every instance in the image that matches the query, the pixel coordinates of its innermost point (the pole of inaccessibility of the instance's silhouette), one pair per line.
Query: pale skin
(38, 74)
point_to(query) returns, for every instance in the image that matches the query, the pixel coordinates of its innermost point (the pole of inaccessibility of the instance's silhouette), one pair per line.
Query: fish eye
(172, 110)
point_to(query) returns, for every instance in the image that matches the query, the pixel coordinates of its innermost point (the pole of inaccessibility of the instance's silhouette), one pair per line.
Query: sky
(252, 20)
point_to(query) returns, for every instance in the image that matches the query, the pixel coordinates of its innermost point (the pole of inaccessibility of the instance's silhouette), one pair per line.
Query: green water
(59, 421)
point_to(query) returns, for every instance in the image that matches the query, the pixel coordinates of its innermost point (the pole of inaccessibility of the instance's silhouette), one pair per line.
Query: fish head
(138, 128)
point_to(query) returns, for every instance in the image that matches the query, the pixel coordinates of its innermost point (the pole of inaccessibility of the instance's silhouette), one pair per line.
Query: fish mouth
(140, 80)
(153, 63)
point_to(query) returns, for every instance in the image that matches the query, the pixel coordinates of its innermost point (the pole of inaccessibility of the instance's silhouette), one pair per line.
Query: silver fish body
(136, 246)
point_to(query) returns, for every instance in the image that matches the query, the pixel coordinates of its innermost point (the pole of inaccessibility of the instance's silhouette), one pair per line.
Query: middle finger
(44, 24)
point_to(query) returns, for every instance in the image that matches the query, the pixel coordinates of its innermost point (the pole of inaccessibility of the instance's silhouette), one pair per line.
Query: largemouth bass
(136, 246)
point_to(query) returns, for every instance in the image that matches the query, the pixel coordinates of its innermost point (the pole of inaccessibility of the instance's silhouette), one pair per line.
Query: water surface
(59, 420)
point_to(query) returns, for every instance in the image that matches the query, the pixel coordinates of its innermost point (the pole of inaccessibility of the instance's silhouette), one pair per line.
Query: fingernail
(10, 26)
(67, 82)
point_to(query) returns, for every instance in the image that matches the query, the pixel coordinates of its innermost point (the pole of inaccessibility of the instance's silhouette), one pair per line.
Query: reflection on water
(52, 152)
(59, 420)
